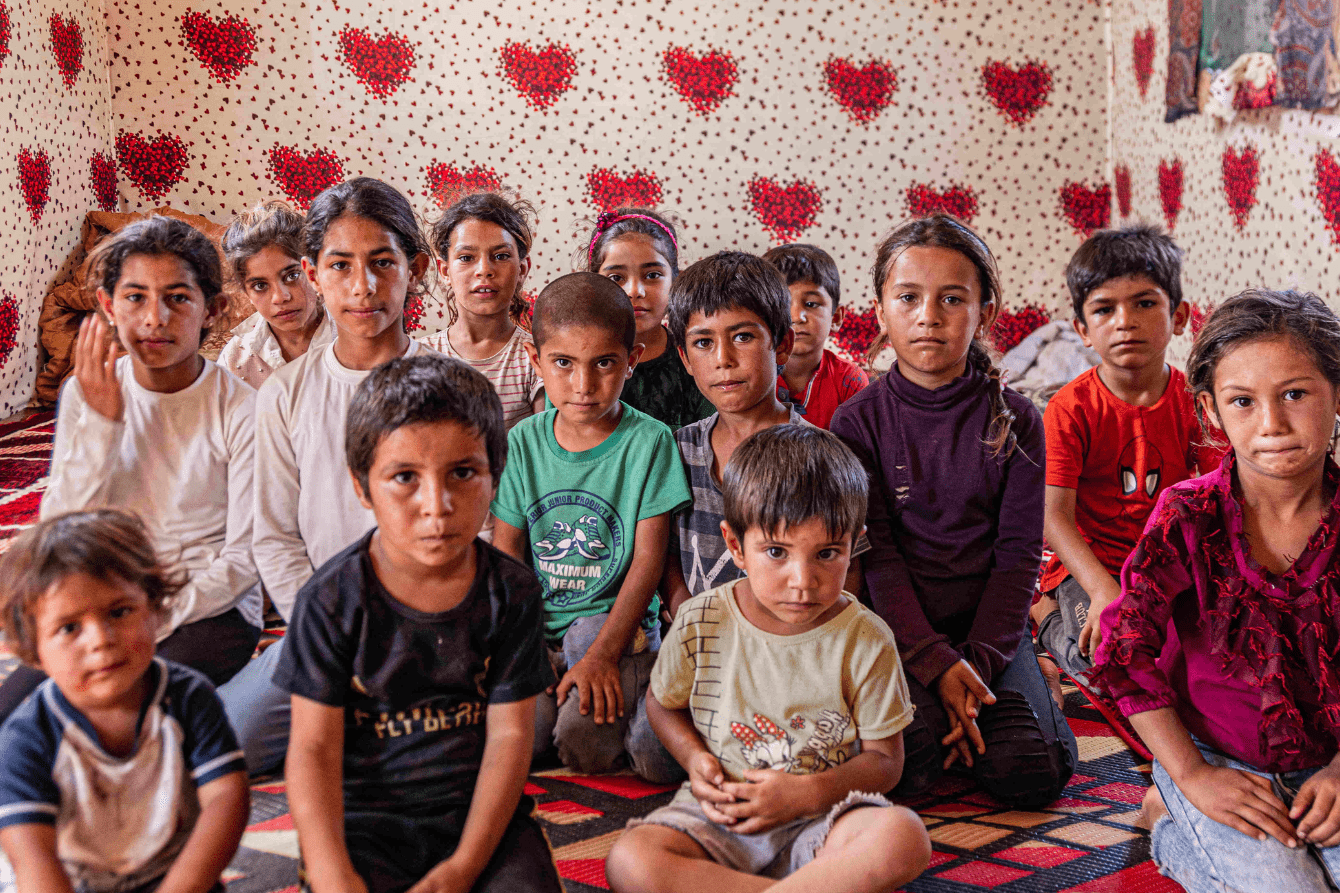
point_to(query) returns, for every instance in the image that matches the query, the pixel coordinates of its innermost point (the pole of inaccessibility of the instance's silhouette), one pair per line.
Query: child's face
(794, 575)
(1274, 405)
(484, 267)
(429, 488)
(812, 317)
(1129, 322)
(932, 309)
(643, 273)
(731, 357)
(584, 369)
(364, 276)
(158, 310)
(281, 293)
(95, 638)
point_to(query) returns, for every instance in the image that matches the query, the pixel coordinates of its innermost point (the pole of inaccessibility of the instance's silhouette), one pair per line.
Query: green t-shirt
(580, 510)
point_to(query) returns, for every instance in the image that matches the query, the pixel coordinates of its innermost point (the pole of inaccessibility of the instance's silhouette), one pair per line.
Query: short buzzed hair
(583, 299)
(786, 475)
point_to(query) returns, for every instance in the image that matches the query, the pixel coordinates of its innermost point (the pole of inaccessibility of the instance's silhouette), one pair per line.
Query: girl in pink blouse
(1224, 649)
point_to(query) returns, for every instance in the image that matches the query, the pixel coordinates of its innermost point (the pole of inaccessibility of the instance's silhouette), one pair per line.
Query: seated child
(166, 433)
(638, 249)
(586, 500)
(415, 656)
(121, 773)
(785, 780)
(1117, 435)
(264, 247)
(483, 247)
(955, 516)
(815, 379)
(1222, 648)
(730, 324)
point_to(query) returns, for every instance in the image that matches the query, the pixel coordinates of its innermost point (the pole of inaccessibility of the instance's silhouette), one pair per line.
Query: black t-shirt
(664, 390)
(414, 686)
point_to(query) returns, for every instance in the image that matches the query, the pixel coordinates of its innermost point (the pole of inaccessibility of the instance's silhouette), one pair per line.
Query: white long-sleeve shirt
(253, 353)
(183, 462)
(306, 507)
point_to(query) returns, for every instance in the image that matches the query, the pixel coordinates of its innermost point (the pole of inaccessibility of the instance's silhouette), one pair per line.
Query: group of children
(625, 537)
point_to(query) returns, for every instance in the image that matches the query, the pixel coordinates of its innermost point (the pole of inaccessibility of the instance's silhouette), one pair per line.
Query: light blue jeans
(259, 712)
(1206, 857)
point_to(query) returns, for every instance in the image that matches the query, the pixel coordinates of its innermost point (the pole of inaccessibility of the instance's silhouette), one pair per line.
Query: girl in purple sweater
(955, 520)
(1224, 648)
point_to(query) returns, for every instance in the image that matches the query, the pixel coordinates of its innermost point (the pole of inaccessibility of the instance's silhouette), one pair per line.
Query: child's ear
(105, 304)
(633, 356)
(990, 310)
(310, 272)
(1180, 317)
(1208, 409)
(733, 545)
(784, 346)
(1082, 330)
(839, 314)
(419, 265)
(215, 309)
(360, 492)
(442, 268)
(525, 271)
(533, 354)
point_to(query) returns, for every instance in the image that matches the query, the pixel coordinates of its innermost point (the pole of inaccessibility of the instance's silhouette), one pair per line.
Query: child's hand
(95, 367)
(1091, 636)
(1239, 800)
(765, 799)
(963, 692)
(446, 877)
(1318, 805)
(705, 781)
(598, 685)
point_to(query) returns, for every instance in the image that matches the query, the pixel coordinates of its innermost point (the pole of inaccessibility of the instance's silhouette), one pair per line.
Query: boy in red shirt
(1117, 435)
(815, 380)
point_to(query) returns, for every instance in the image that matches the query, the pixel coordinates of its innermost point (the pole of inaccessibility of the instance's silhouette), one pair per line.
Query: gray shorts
(775, 853)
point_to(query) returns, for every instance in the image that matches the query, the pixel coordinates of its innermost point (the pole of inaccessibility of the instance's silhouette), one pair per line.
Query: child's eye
(68, 629)
(702, 343)
(464, 258)
(562, 362)
(502, 256)
(121, 611)
(1146, 304)
(812, 305)
(339, 265)
(1295, 394)
(952, 299)
(605, 364)
(654, 275)
(614, 277)
(464, 473)
(907, 298)
(384, 262)
(776, 552)
(744, 337)
(292, 276)
(1241, 402)
(260, 286)
(180, 299)
(403, 477)
(828, 554)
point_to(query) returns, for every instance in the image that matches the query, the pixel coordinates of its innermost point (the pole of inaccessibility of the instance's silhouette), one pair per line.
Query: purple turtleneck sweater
(955, 534)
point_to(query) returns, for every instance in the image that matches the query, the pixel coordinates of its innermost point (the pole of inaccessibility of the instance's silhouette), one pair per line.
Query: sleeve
(1135, 626)
(85, 453)
(665, 466)
(999, 623)
(210, 747)
(318, 657)
(1067, 441)
(509, 503)
(28, 793)
(519, 667)
(672, 675)
(881, 705)
(853, 381)
(926, 654)
(277, 546)
(219, 586)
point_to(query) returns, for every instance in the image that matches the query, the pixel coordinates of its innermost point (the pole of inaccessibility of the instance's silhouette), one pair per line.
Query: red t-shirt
(1118, 458)
(831, 385)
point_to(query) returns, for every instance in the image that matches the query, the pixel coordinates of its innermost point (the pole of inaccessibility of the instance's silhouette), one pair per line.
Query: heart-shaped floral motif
(609, 189)
(1199, 314)
(785, 211)
(224, 46)
(863, 91)
(4, 32)
(448, 184)
(10, 318)
(1170, 190)
(102, 176)
(540, 76)
(381, 64)
(1240, 173)
(857, 332)
(35, 180)
(153, 165)
(959, 200)
(304, 175)
(704, 80)
(1019, 92)
(1013, 326)
(67, 42)
(1328, 190)
(1086, 208)
(1142, 58)
(1122, 177)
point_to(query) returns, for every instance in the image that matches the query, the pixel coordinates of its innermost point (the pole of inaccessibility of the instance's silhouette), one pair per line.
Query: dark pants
(1059, 631)
(1030, 749)
(216, 646)
(392, 852)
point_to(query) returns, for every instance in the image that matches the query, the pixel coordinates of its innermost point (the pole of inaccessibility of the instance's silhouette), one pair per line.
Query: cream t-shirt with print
(797, 703)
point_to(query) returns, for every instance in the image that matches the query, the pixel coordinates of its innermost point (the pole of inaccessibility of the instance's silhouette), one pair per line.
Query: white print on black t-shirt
(407, 722)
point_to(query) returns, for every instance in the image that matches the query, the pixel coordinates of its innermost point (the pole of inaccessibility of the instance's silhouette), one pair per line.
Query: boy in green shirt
(587, 499)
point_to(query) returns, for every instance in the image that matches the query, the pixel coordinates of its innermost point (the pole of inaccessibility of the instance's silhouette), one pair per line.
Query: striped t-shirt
(509, 370)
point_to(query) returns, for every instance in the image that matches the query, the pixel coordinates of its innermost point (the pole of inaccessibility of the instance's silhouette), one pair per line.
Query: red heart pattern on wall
(381, 64)
(448, 185)
(1122, 177)
(223, 45)
(959, 200)
(1017, 91)
(703, 80)
(1086, 208)
(1327, 184)
(863, 92)
(857, 332)
(609, 189)
(785, 211)
(1240, 177)
(102, 175)
(1013, 326)
(540, 76)
(35, 180)
(67, 42)
(11, 318)
(154, 165)
(303, 175)
(1170, 190)
(4, 33)
(1142, 58)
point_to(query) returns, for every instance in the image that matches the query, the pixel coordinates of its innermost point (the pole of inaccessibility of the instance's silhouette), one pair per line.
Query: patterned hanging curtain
(1184, 30)
(1304, 43)
(1237, 61)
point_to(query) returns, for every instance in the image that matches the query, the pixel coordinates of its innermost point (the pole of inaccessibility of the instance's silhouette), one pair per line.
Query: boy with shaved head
(586, 499)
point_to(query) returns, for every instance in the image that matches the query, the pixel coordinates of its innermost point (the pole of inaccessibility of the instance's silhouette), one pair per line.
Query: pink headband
(606, 220)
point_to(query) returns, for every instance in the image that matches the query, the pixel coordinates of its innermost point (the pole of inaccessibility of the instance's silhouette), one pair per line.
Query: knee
(1020, 766)
(584, 746)
(902, 848)
(631, 864)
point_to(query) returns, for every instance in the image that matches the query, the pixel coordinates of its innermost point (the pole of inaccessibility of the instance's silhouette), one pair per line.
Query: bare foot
(1151, 810)
(1052, 673)
(1041, 608)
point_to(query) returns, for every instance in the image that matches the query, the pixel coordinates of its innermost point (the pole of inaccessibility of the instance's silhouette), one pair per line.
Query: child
(121, 773)
(264, 246)
(815, 379)
(758, 802)
(637, 249)
(415, 657)
(588, 494)
(364, 255)
(1117, 435)
(483, 247)
(166, 433)
(1221, 650)
(955, 520)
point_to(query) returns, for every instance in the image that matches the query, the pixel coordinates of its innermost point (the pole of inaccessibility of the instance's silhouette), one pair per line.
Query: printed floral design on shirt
(579, 544)
(764, 745)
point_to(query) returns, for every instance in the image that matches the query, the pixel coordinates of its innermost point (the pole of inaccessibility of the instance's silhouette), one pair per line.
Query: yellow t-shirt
(797, 703)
